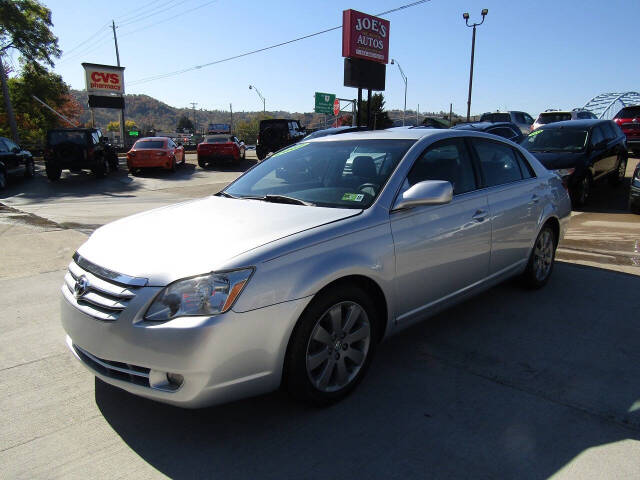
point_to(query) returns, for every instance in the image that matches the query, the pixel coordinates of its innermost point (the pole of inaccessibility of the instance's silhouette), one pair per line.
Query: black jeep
(76, 149)
(277, 133)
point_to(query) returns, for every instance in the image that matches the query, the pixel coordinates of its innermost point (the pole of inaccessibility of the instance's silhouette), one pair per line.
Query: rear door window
(519, 117)
(498, 162)
(609, 132)
(596, 135)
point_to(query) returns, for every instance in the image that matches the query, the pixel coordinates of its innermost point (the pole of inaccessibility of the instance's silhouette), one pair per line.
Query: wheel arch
(368, 285)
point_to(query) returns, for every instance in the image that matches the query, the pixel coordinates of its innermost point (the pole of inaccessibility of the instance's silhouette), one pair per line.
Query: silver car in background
(297, 270)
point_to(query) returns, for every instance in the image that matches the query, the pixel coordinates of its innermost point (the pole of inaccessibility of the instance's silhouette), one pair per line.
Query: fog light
(164, 380)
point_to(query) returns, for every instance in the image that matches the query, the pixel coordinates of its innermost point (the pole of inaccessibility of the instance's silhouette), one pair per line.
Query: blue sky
(529, 55)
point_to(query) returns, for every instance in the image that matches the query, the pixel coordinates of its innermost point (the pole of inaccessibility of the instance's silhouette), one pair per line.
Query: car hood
(199, 236)
(556, 160)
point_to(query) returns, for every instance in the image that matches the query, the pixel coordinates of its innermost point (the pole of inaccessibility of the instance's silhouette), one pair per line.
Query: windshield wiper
(225, 194)
(285, 199)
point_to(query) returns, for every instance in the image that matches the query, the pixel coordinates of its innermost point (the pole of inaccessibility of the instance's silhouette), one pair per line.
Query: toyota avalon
(299, 268)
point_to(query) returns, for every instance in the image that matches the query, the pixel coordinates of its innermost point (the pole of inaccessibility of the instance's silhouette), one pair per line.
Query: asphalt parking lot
(511, 384)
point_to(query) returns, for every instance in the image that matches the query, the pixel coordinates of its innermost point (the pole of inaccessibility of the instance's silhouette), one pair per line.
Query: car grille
(97, 291)
(118, 370)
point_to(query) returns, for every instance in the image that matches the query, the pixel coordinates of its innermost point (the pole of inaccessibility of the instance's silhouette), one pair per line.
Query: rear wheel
(244, 154)
(542, 259)
(617, 177)
(581, 192)
(29, 168)
(3, 180)
(332, 346)
(202, 163)
(101, 168)
(173, 167)
(53, 171)
(114, 163)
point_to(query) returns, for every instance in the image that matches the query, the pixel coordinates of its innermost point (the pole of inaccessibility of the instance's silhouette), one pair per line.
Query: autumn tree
(25, 26)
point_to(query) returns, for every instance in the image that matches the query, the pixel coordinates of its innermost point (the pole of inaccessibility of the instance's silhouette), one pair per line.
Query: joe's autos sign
(365, 36)
(104, 79)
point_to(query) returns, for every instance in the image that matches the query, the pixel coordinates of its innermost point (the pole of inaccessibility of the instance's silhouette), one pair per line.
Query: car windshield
(629, 112)
(149, 144)
(79, 138)
(337, 174)
(218, 139)
(545, 118)
(556, 140)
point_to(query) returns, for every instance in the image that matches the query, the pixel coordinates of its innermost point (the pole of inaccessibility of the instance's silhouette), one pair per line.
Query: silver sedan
(298, 269)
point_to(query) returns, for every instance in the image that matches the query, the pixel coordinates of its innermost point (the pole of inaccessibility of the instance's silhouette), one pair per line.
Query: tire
(244, 154)
(634, 207)
(29, 168)
(261, 154)
(541, 260)
(184, 158)
(114, 163)
(202, 164)
(3, 180)
(53, 172)
(173, 167)
(580, 194)
(322, 365)
(102, 168)
(617, 177)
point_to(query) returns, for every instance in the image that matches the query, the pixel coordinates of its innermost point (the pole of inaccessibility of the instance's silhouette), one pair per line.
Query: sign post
(324, 102)
(336, 107)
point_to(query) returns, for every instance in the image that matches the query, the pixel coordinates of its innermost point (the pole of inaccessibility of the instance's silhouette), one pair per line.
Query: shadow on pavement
(221, 166)
(608, 199)
(510, 384)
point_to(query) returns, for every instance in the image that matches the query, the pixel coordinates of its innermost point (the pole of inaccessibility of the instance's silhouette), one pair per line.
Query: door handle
(535, 198)
(480, 215)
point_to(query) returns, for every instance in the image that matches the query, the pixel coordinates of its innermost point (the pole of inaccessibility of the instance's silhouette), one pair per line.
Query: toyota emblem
(81, 287)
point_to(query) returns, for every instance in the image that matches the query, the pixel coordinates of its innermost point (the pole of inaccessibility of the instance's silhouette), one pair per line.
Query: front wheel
(542, 259)
(580, 194)
(101, 168)
(332, 346)
(3, 180)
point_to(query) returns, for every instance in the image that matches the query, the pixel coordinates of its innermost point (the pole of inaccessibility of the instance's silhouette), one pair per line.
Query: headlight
(564, 172)
(209, 294)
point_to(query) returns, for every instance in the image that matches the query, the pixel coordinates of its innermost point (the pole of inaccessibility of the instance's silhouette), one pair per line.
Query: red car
(220, 147)
(628, 119)
(155, 152)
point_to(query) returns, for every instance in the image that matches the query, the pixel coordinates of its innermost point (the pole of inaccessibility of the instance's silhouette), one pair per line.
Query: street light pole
(264, 107)
(404, 77)
(473, 49)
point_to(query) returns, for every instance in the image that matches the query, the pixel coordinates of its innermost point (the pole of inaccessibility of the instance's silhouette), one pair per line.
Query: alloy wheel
(543, 255)
(338, 346)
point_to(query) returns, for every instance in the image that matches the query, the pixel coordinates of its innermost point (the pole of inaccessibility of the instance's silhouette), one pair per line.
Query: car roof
(482, 125)
(153, 138)
(584, 123)
(400, 134)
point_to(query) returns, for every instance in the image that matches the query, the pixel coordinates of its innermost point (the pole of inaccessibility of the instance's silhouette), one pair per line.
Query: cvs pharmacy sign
(104, 79)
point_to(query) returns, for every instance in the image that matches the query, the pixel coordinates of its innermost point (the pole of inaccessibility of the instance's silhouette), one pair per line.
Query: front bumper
(220, 358)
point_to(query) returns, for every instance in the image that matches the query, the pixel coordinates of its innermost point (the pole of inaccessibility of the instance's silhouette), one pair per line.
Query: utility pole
(451, 115)
(193, 106)
(417, 115)
(473, 49)
(115, 40)
(7, 103)
(231, 108)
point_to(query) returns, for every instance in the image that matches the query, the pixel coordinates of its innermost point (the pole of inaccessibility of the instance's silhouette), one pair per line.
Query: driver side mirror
(428, 192)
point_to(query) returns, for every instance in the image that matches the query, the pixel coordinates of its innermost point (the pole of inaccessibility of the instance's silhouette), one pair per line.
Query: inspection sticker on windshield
(537, 132)
(291, 149)
(353, 197)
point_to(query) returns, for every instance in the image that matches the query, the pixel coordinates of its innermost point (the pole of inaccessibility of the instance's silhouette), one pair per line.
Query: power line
(167, 19)
(197, 67)
(83, 43)
(159, 9)
(133, 12)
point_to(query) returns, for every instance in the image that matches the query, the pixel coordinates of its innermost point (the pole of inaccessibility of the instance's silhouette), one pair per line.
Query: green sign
(134, 133)
(324, 103)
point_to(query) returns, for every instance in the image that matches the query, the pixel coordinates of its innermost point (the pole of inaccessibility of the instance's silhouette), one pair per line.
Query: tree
(33, 119)
(380, 118)
(115, 126)
(25, 25)
(184, 123)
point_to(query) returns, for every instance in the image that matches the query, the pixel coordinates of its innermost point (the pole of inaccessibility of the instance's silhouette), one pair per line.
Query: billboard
(365, 36)
(104, 79)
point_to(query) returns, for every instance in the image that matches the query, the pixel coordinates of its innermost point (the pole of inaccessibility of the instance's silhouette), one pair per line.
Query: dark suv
(76, 149)
(14, 160)
(581, 152)
(277, 133)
